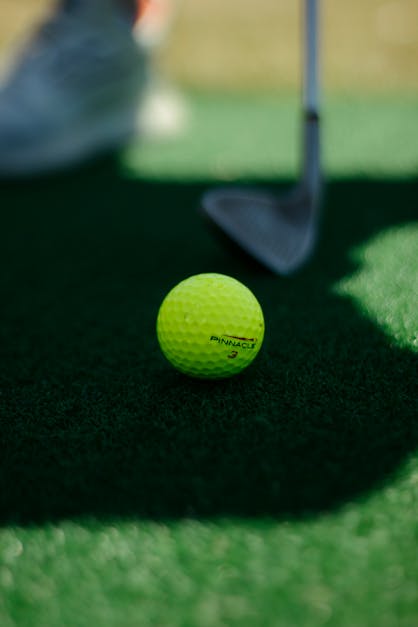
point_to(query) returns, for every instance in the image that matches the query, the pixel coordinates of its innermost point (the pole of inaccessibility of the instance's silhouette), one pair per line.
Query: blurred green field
(130, 495)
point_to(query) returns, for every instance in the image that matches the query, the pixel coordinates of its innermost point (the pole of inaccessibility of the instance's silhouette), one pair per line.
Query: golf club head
(279, 232)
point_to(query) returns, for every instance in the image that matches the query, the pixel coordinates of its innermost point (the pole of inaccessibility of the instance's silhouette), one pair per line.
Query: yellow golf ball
(210, 326)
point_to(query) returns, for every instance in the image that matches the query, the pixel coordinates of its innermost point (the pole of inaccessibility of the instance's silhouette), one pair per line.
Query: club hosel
(311, 166)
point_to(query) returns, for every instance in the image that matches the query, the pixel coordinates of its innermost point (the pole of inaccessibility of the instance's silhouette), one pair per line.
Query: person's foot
(73, 93)
(163, 112)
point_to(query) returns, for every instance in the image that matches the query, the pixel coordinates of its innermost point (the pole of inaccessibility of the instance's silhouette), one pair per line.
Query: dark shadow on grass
(95, 423)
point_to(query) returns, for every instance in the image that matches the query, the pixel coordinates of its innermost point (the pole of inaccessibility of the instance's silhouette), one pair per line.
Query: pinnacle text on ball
(234, 342)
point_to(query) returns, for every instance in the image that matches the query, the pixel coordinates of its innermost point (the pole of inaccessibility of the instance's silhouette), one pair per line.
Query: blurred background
(242, 45)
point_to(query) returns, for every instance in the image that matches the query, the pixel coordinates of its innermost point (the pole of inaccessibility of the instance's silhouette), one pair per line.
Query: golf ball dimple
(210, 326)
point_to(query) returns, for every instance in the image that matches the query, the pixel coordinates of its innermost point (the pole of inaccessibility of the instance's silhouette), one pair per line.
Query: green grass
(130, 495)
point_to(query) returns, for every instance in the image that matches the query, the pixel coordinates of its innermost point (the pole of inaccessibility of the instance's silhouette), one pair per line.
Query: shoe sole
(78, 145)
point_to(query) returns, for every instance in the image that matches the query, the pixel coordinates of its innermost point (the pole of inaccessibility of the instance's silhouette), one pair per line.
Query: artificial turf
(131, 495)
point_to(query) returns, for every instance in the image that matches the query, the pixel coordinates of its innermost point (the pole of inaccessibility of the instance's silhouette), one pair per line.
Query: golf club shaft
(311, 160)
(310, 65)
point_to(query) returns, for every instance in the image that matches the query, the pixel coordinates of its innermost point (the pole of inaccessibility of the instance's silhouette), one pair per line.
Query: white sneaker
(73, 93)
(163, 113)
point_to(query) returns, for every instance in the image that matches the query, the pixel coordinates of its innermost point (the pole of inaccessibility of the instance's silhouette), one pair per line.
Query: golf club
(280, 232)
